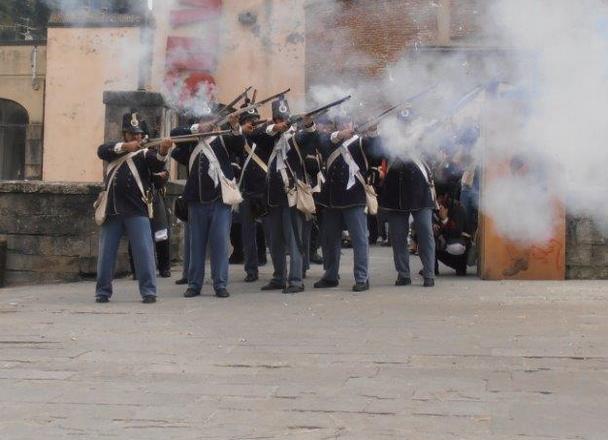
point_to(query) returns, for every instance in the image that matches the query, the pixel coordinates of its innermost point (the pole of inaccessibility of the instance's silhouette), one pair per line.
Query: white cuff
(194, 128)
(118, 148)
(270, 130)
(334, 137)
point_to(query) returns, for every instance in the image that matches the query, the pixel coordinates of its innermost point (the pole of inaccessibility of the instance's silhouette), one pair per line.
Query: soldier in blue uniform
(256, 152)
(286, 165)
(343, 199)
(409, 190)
(209, 218)
(127, 208)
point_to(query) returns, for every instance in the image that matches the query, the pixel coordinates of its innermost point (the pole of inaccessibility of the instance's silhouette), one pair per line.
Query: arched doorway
(13, 127)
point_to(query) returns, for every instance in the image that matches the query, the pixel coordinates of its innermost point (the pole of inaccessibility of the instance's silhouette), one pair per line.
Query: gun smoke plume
(545, 91)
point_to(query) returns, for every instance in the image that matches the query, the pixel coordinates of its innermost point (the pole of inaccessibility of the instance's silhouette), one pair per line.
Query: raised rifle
(361, 128)
(223, 119)
(260, 122)
(367, 125)
(318, 111)
(195, 137)
(225, 111)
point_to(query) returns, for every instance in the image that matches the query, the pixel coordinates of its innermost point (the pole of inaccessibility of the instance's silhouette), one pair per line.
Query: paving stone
(467, 360)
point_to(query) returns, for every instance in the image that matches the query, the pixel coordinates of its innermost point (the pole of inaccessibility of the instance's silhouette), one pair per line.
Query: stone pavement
(465, 360)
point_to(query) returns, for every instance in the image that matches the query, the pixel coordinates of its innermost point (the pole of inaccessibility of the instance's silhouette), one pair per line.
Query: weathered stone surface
(49, 245)
(580, 255)
(49, 227)
(37, 186)
(38, 263)
(467, 359)
(21, 277)
(581, 273)
(586, 250)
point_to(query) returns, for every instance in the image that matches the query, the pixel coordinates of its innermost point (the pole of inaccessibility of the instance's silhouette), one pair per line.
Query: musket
(318, 111)
(195, 137)
(374, 121)
(468, 97)
(365, 126)
(224, 111)
(222, 120)
(260, 122)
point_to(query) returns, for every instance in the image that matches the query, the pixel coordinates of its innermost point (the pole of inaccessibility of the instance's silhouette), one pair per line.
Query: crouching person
(210, 162)
(451, 235)
(126, 207)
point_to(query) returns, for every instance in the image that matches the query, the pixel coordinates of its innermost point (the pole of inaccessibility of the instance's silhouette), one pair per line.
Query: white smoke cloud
(546, 106)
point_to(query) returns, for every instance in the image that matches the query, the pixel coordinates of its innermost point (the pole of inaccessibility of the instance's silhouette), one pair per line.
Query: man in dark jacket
(346, 158)
(209, 218)
(128, 208)
(285, 166)
(254, 158)
(409, 190)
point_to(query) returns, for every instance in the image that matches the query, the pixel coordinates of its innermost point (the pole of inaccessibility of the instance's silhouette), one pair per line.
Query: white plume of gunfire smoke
(555, 59)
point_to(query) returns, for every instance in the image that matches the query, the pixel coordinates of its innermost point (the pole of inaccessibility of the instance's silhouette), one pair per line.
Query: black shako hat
(132, 123)
(249, 115)
(280, 108)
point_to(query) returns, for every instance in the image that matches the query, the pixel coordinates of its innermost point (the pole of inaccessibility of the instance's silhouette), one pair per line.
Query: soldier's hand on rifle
(345, 134)
(281, 127)
(372, 131)
(165, 146)
(131, 147)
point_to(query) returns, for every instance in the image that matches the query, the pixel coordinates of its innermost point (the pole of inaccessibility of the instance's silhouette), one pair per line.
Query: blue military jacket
(124, 196)
(300, 142)
(334, 193)
(405, 188)
(199, 186)
(254, 179)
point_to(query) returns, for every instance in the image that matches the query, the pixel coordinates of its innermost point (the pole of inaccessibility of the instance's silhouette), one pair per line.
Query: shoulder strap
(363, 153)
(137, 177)
(197, 151)
(251, 154)
(223, 145)
(338, 152)
(115, 165)
(297, 148)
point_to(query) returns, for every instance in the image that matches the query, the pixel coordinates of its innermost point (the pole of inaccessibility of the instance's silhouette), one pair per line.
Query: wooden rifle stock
(195, 137)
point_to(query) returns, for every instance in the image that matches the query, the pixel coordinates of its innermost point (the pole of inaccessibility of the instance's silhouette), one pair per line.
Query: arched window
(13, 123)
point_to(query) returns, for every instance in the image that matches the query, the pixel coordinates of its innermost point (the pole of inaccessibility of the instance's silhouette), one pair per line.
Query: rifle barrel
(222, 120)
(187, 138)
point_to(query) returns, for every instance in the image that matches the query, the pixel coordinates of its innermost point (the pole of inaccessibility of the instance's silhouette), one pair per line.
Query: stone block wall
(51, 235)
(586, 250)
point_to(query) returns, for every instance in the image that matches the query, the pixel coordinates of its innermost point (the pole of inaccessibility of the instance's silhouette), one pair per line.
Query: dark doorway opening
(14, 120)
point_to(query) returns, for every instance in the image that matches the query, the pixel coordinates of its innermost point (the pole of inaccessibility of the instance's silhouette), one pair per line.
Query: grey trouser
(249, 234)
(306, 232)
(399, 229)
(356, 223)
(283, 220)
(186, 250)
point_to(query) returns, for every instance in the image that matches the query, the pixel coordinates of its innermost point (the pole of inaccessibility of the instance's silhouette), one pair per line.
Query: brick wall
(359, 38)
